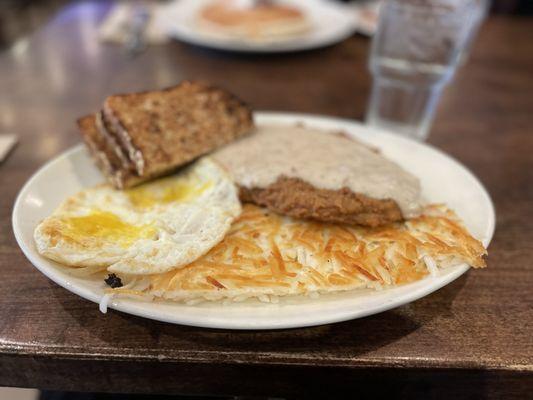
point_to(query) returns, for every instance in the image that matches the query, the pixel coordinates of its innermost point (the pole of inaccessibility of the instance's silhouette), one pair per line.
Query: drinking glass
(415, 53)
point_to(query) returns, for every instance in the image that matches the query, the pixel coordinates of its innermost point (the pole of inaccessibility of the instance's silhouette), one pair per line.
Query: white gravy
(325, 160)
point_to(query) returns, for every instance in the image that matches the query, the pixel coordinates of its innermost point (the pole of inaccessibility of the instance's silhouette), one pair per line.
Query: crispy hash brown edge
(240, 267)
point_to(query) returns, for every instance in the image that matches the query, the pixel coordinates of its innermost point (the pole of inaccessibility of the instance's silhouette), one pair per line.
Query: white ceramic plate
(331, 23)
(443, 180)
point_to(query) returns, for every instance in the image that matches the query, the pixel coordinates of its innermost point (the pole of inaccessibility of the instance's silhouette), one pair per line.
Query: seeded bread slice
(107, 133)
(104, 155)
(161, 130)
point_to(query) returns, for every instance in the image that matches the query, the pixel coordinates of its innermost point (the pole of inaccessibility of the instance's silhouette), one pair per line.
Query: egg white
(157, 227)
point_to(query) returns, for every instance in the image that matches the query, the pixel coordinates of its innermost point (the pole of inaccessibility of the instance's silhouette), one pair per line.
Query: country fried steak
(310, 173)
(297, 198)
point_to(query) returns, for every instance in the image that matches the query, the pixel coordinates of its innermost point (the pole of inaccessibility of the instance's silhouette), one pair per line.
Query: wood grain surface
(473, 337)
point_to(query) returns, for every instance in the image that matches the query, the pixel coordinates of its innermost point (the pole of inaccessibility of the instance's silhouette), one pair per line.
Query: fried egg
(152, 228)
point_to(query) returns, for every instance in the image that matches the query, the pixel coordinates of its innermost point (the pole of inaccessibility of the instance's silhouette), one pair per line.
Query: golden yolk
(163, 192)
(106, 225)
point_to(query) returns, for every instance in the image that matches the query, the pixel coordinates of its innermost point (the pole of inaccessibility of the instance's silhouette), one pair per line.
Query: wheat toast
(161, 130)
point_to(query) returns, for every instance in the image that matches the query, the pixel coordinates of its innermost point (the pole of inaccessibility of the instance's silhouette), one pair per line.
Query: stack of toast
(139, 136)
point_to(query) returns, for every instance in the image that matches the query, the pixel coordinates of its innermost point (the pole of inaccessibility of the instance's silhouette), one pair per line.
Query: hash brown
(266, 256)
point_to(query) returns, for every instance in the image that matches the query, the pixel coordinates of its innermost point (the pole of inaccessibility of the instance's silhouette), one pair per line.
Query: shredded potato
(265, 256)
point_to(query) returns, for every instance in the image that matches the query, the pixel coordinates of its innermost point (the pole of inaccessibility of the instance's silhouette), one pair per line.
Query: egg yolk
(106, 225)
(163, 192)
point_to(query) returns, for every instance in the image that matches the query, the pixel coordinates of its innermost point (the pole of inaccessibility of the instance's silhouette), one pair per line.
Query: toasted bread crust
(135, 160)
(297, 198)
(104, 155)
(108, 134)
(161, 130)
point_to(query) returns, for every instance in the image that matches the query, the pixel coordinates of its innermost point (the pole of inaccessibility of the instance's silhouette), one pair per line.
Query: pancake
(262, 21)
(266, 256)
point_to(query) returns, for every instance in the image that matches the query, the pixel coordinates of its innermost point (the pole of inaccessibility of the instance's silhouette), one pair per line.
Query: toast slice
(104, 155)
(161, 130)
(110, 136)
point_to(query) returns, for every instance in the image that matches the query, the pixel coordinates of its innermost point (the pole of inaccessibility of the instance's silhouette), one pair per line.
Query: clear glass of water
(414, 54)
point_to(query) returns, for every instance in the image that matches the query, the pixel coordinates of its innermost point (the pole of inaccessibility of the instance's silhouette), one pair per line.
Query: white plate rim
(195, 37)
(129, 305)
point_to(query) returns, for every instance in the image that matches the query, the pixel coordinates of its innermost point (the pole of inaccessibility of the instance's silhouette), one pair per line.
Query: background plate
(331, 23)
(443, 180)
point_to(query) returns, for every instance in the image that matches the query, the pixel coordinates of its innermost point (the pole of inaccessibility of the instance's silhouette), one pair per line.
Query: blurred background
(20, 17)
(56, 47)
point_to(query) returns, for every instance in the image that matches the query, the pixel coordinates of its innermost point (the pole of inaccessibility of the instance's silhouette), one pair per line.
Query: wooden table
(471, 339)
